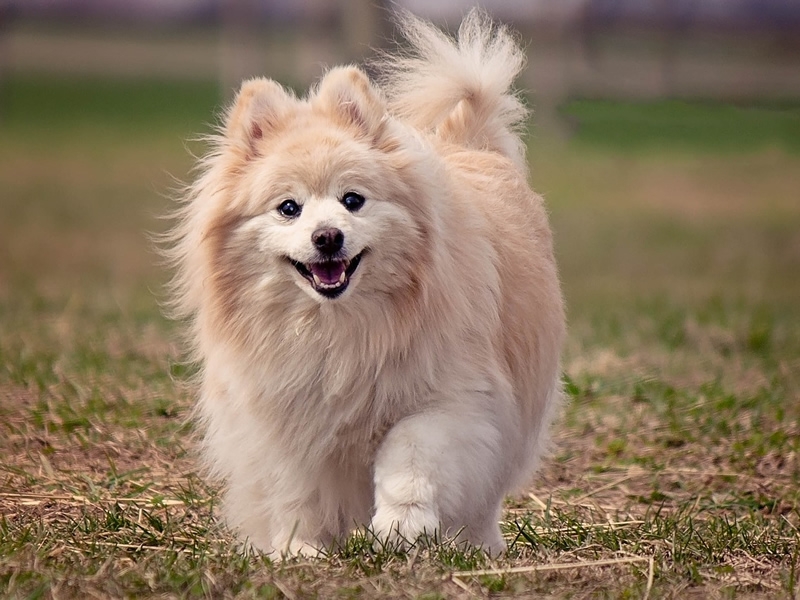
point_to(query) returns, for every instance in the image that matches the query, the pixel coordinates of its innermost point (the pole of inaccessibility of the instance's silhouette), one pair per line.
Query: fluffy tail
(459, 88)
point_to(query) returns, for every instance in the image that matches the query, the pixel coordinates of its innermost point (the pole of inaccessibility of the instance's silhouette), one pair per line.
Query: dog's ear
(347, 94)
(258, 109)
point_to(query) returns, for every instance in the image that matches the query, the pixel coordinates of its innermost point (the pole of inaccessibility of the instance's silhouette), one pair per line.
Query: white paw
(493, 543)
(298, 548)
(404, 523)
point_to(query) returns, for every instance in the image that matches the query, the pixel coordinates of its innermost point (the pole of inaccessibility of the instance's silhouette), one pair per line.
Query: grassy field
(675, 471)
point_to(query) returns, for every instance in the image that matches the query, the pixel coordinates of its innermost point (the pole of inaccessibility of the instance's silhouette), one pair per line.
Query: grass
(675, 465)
(685, 126)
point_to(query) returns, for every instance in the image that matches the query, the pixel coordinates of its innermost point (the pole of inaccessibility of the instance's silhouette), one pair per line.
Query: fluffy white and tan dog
(373, 299)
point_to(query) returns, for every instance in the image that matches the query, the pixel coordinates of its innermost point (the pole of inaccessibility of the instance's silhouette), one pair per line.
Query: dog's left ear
(348, 95)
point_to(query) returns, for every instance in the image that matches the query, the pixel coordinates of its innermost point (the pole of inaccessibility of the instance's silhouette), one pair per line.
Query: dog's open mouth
(329, 277)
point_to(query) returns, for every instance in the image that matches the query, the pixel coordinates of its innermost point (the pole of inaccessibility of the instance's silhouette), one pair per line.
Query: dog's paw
(307, 549)
(404, 524)
(297, 548)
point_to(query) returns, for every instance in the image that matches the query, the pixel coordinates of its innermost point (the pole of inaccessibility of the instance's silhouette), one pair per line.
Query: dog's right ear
(258, 109)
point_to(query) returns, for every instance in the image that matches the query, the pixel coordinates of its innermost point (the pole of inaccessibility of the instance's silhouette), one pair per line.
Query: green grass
(675, 465)
(685, 126)
(32, 104)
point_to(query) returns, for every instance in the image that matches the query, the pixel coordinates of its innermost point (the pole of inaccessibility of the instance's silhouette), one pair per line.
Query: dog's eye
(289, 208)
(352, 201)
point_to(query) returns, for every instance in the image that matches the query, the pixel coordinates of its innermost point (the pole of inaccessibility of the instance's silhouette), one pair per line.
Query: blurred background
(665, 139)
(741, 50)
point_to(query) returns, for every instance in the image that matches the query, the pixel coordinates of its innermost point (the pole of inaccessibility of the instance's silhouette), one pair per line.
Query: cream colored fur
(417, 399)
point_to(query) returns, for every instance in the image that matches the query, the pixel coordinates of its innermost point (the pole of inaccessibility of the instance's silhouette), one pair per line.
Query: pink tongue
(328, 272)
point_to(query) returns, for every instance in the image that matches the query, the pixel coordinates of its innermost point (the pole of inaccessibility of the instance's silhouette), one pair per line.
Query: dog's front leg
(281, 516)
(442, 471)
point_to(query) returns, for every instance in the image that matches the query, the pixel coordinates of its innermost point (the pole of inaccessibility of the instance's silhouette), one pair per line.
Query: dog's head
(326, 194)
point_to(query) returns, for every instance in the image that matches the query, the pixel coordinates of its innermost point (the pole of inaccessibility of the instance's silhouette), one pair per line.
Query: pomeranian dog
(373, 299)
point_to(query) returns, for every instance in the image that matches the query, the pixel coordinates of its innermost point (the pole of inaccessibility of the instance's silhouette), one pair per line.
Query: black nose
(328, 240)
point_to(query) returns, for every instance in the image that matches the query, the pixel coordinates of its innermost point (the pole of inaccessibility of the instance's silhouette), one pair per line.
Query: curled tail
(461, 88)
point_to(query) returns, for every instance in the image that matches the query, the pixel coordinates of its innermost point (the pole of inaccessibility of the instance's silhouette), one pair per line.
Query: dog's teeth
(317, 280)
(342, 277)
